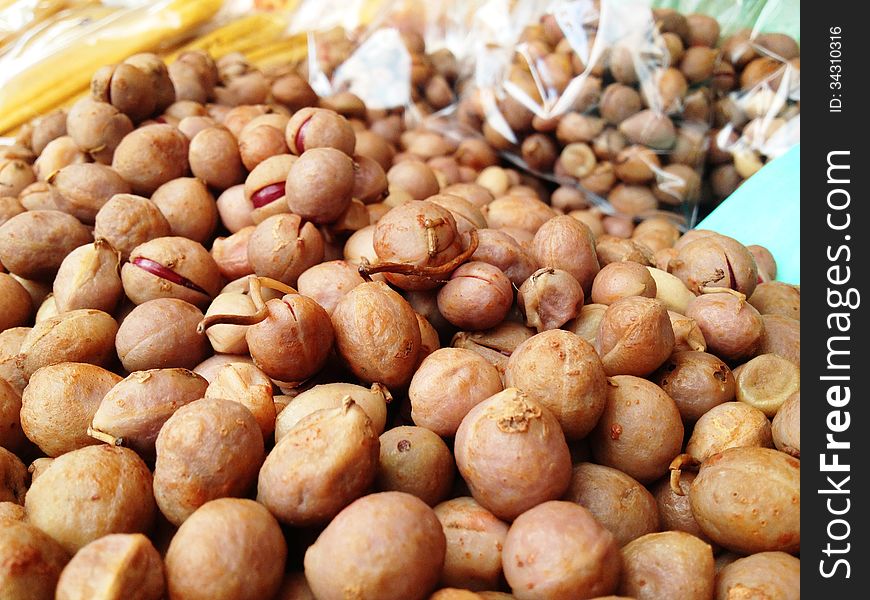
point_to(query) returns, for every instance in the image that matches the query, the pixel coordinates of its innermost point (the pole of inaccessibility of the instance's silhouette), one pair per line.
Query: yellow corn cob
(62, 75)
(283, 51)
(240, 35)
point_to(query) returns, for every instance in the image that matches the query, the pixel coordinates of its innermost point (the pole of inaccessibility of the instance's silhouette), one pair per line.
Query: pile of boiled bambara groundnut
(378, 366)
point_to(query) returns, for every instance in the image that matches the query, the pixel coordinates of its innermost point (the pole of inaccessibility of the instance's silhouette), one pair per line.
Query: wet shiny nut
(320, 184)
(538, 467)
(475, 538)
(312, 128)
(447, 384)
(134, 410)
(748, 500)
(549, 298)
(171, 267)
(59, 402)
(478, 296)
(119, 565)
(214, 158)
(635, 336)
(416, 461)
(696, 381)
(640, 431)
(126, 221)
(34, 243)
(621, 504)
(82, 335)
(189, 208)
(208, 449)
(89, 277)
(728, 425)
(161, 333)
(118, 500)
(558, 550)
(283, 247)
(229, 548)
(150, 156)
(670, 564)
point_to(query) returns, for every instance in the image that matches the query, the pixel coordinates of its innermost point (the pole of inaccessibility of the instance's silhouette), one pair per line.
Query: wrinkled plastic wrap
(587, 93)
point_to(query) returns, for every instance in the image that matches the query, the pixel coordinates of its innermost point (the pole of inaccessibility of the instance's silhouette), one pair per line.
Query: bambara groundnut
(135, 409)
(407, 565)
(635, 336)
(33, 244)
(377, 334)
(558, 550)
(150, 156)
(73, 506)
(764, 574)
(36, 574)
(671, 564)
(126, 221)
(16, 305)
(325, 462)
(331, 395)
(587, 322)
(475, 538)
(416, 461)
(208, 449)
(319, 128)
(83, 335)
(13, 484)
(715, 261)
(748, 500)
(549, 298)
(11, 434)
(447, 384)
(161, 333)
(786, 426)
(189, 208)
(327, 282)
(59, 402)
(250, 387)
(537, 366)
(501, 250)
(89, 277)
(621, 280)
(537, 466)
(228, 549)
(621, 504)
(320, 185)
(732, 327)
(119, 565)
(675, 512)
(696, 381)
(640, 431)
(283, 247)
(226, 338)
(565, 243)
(767, 381)
(478, 296)
(777, 298)
(728, 425)
(782, 336)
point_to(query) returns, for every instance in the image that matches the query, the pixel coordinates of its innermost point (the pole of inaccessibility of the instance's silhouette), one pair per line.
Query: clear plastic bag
(624, 99)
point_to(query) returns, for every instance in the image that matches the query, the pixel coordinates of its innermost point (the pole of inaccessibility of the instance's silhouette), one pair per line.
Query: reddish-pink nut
(171, 267)
(231, 254)
(478, 296)
(319, 128)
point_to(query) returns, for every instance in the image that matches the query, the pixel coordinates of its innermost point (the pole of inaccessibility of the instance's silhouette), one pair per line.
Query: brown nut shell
(635, 336)
(549, 298)
(537, 466)
(770, 574)
(640, 431)
(208, 449)
(696, 381)
(786, 426)
(36, 575)
(73, 506)
(732, 327)
(565, 243)
(126, 221)
(283, 247)
(407, 567)
(416, 461)
(728, 425)
(228, 549)
(34, 243)
(748, 500)
(89, 277)
(671, 564)
(161, 333)
(478, 296)
(475, 538)
(150, 156)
